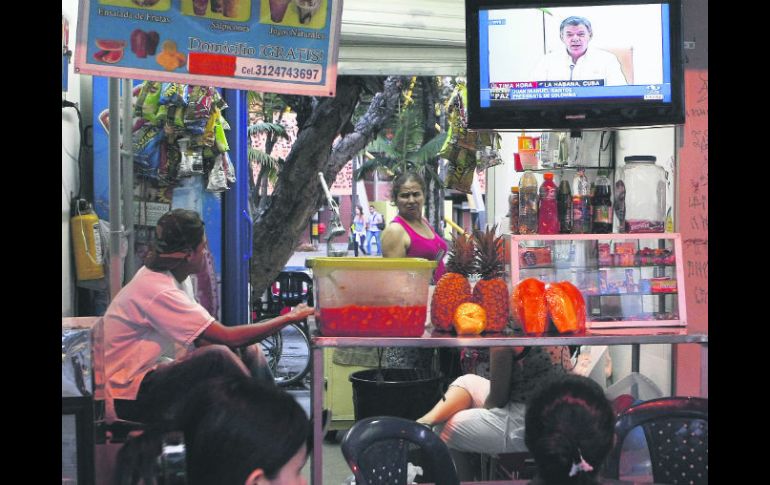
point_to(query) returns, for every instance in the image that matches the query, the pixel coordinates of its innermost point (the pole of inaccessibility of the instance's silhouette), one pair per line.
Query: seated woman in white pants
(481, 415)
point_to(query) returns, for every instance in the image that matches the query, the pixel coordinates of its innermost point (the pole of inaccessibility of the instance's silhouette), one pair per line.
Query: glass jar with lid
(645, 194)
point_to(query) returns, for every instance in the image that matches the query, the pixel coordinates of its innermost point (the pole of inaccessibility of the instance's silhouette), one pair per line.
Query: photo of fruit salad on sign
(157, 5)
(232, 10)
(309, 14)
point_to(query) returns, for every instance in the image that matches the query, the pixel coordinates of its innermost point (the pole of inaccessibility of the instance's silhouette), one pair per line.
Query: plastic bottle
(602, 206)
(581, 204)
(564, 203)
(513, 210)
(645, 194)
(528, 203)
(87, 243)
(547, 210)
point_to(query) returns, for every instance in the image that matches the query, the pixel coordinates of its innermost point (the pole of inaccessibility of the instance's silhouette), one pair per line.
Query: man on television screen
(577, 62)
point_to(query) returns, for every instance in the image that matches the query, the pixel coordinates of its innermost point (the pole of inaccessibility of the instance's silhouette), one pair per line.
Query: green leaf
(430, 150)
(270, 128)
(373, 164)
(263, 159)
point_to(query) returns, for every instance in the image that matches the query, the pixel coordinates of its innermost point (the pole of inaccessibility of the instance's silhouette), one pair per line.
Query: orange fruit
(470, 319)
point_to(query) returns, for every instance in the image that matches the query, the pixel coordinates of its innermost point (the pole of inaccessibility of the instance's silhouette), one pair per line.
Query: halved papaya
(562, 307)
(578, 301)
(528, 305)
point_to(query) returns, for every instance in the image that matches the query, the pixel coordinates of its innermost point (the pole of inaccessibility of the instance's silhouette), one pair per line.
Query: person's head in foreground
(569, 429)
(236, 432)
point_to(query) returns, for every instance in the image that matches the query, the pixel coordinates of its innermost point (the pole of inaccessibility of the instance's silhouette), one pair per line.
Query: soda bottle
(547, 211)
(581, 204)
(528, 203)
(564, 203)
(602, 206)
(513, 210)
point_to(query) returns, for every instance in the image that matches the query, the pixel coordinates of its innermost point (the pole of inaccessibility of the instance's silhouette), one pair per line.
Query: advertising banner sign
(278, 46)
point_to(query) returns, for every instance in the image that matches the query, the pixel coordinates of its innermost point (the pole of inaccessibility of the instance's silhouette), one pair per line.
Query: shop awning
(403, 37)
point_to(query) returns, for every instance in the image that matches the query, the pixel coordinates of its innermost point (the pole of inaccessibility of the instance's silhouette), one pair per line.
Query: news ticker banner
(589, 88)
(278, 46)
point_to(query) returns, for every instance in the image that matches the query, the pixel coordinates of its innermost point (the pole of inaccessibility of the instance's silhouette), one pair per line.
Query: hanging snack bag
(148, 102)
(219, 136)
(198, 109)
(147, 146)
(207, 138)
(171, 93)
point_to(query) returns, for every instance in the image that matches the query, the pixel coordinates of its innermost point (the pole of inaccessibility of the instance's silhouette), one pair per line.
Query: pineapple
(491, 291)
(453, 288)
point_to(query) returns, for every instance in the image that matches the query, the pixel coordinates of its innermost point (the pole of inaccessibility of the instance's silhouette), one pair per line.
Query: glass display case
(627, 280)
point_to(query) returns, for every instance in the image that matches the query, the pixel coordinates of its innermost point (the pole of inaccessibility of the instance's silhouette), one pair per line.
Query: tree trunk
(298, 193)
(434, 194)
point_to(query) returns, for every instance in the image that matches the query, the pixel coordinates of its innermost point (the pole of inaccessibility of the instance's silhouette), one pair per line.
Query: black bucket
(406, 393)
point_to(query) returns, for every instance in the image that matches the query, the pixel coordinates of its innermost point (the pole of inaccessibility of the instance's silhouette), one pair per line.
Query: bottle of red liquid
(547, 212)
(564, 201)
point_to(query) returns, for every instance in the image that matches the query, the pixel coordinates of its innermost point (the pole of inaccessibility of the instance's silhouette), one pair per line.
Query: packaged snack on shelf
(604, 286)
(631, 286)
(663, 285)
(623, 259)
(534, 256)
(587, 282)
(605, 258)
(625, 248)
(648, 256)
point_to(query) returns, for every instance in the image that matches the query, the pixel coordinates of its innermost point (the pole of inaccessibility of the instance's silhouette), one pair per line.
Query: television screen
(574, 64)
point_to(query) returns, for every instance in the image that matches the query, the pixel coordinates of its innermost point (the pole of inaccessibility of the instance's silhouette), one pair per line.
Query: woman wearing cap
(157, 311)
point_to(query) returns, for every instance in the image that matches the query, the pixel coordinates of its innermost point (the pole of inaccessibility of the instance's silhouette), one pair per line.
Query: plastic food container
(371, 297)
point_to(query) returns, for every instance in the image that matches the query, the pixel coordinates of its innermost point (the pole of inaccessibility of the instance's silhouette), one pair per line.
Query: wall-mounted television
(574, 64)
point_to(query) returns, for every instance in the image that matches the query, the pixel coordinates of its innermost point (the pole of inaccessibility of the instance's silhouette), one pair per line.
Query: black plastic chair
(289, 289)
(676, 430)
(377, 450)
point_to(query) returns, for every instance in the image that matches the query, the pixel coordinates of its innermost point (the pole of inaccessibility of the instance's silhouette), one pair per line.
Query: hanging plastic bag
(217, 178)
(229, 168)
(488, 153)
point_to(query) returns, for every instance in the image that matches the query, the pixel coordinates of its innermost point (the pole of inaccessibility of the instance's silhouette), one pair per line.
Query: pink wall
(693, 225)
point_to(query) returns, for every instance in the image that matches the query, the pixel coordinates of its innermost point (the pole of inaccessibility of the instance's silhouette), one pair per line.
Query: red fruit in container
(528, 305)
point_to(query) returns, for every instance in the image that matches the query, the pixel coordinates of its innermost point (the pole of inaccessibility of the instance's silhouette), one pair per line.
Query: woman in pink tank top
(412, 236)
